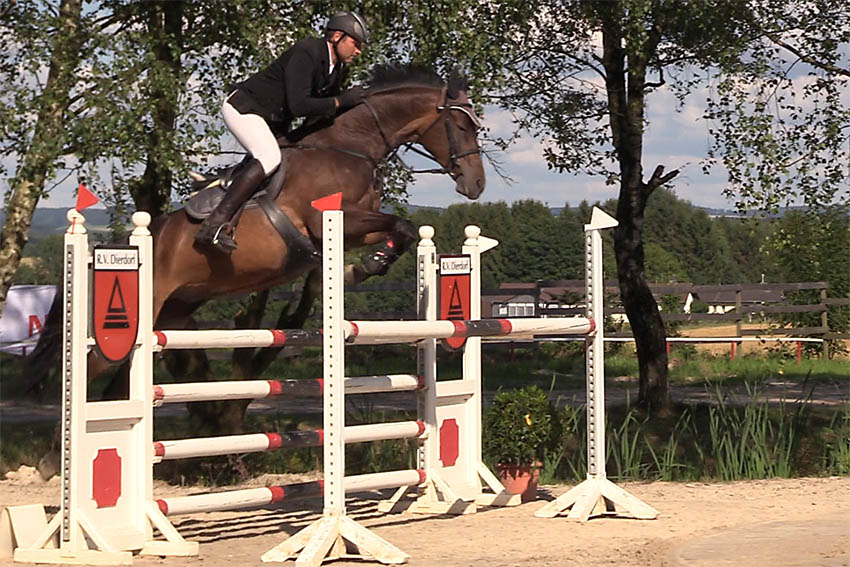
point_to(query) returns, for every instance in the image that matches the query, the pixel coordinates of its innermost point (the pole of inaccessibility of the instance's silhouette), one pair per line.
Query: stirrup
(220, 239)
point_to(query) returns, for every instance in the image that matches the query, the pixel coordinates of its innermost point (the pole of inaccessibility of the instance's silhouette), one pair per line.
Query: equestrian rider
(304, 81)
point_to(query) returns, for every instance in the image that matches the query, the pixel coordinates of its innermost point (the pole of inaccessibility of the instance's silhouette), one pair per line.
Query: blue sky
(674, 139)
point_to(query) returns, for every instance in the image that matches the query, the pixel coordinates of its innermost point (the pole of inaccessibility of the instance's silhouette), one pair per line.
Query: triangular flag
(329, 203)
(85, 198)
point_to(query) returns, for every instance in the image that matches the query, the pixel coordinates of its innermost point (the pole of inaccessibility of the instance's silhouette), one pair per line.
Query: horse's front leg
(394, 236)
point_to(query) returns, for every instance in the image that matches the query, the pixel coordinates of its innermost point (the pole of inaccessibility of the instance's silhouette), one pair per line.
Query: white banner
(23, 316)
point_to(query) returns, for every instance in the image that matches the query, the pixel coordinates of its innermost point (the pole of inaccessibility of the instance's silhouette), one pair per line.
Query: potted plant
(518, 428)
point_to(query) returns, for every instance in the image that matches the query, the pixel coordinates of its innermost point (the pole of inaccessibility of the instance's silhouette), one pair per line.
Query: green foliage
(778, 121)
(719, 440)
(44, 264)
(519, 427)
(815, 246)
(750, 443)
(836, 458)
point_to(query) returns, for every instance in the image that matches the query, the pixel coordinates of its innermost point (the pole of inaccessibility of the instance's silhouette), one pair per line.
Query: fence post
(824, 322)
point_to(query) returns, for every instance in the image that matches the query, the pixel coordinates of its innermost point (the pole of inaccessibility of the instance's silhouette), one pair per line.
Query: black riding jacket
(295, 84)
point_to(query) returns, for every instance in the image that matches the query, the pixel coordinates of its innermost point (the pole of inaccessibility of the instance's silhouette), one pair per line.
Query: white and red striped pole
(259, 442)
(257, 389)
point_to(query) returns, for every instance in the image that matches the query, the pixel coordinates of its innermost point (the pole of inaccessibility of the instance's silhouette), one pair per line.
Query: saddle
(210, 189)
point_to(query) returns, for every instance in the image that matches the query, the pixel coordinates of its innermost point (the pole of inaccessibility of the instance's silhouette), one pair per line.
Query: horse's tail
(46, 354)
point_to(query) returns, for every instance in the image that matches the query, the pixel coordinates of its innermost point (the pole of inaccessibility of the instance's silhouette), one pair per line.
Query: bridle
(444, 111)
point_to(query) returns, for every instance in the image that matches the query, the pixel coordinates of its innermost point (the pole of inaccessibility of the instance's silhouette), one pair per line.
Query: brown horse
(403, 105)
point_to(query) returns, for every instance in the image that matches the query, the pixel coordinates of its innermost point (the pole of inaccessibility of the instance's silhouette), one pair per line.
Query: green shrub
(520, 426)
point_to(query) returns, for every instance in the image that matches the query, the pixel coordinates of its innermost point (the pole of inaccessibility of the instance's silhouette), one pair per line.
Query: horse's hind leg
(193, 365)
(394, 235)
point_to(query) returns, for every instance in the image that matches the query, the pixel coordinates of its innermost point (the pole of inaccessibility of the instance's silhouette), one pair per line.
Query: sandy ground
(776, 523)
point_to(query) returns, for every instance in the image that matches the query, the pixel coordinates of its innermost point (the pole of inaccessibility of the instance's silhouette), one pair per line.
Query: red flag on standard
(85, 198)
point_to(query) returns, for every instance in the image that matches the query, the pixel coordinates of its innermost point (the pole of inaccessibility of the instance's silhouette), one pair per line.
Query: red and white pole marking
(236, 338)
(256, 497)
(258, 442)
(377, 332)
(256, 389)
(380, 332)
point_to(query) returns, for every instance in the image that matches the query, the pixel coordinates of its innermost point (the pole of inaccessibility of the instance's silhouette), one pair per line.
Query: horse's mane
(381, 77)
(390, 75)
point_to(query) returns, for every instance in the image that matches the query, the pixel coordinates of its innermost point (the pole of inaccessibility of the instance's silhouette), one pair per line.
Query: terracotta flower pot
(520, 479)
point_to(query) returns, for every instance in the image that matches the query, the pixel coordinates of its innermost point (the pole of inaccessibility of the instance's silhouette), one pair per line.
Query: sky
(674, 138)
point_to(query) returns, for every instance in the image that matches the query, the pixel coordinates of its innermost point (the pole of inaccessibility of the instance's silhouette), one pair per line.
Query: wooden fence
(548, 305)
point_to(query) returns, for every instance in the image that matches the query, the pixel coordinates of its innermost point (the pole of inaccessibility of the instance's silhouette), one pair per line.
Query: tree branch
(658, 178)
(7, 8)
(748, 17)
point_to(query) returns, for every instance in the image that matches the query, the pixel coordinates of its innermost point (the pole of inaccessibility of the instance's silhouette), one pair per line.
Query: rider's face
(348, 48)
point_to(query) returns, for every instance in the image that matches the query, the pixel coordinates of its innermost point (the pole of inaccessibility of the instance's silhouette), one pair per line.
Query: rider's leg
(216, 230)
(255, 136)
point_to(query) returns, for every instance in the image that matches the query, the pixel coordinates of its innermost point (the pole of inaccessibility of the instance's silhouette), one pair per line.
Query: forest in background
(683, 244)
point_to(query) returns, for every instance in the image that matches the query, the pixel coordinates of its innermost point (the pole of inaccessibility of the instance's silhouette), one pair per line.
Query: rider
(304, 81)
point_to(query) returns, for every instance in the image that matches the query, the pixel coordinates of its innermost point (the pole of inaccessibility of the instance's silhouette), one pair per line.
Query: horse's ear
(455, 84)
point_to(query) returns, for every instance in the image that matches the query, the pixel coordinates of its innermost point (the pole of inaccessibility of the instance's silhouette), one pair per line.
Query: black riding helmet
(349, 23)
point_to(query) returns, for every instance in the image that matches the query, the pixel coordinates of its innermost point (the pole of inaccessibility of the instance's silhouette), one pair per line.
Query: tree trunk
(625, 79)
(152, 191)
(641, 308)
(38, 159)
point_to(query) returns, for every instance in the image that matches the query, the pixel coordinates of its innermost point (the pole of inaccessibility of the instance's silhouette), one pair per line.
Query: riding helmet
(349, 23)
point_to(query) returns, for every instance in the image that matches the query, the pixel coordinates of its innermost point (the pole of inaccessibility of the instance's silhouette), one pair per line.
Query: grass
(711, 441)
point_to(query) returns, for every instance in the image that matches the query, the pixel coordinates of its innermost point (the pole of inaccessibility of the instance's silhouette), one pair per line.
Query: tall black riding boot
(216, 230)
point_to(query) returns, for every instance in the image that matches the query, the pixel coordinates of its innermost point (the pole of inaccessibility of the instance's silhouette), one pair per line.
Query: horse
(403, 105)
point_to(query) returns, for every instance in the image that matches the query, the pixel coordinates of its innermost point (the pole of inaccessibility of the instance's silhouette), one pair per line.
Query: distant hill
(48, 221)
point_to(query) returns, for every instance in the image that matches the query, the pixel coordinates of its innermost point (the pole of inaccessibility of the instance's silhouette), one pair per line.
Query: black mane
(381, 78)
(387, 76)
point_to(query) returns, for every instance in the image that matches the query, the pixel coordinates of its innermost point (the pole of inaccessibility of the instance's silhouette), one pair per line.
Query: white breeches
(255, 136)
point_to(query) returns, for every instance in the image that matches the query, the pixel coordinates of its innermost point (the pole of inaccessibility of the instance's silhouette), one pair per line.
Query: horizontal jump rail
(376, 332)
(236, 338)
(256, 389)
(258, 442)
(383, 332)
(263, 496)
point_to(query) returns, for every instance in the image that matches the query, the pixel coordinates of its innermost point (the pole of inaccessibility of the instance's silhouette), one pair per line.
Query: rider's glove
(351, 97)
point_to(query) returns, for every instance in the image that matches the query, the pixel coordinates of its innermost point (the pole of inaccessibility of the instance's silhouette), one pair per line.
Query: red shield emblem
(455, 294)
(116, 300)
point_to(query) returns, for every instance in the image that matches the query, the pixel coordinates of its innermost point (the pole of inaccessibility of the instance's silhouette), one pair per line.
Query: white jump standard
(108, 509)
(596, 495)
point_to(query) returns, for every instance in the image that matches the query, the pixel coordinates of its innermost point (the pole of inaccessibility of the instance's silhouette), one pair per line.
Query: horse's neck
(398, 113)
(380, 133)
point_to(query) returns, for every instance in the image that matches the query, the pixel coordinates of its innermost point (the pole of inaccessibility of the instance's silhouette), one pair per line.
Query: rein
(444, 112)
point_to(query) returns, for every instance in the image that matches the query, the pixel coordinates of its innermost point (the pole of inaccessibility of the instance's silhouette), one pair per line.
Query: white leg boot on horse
(216, 232)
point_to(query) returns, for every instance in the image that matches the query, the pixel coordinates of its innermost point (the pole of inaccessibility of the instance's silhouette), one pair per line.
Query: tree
(581, 74)
(39, 143)
(780, 126)
(815, 247)
(581, 79)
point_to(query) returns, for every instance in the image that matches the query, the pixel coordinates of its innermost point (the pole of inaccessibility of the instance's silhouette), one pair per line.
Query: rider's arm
(298, 80)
